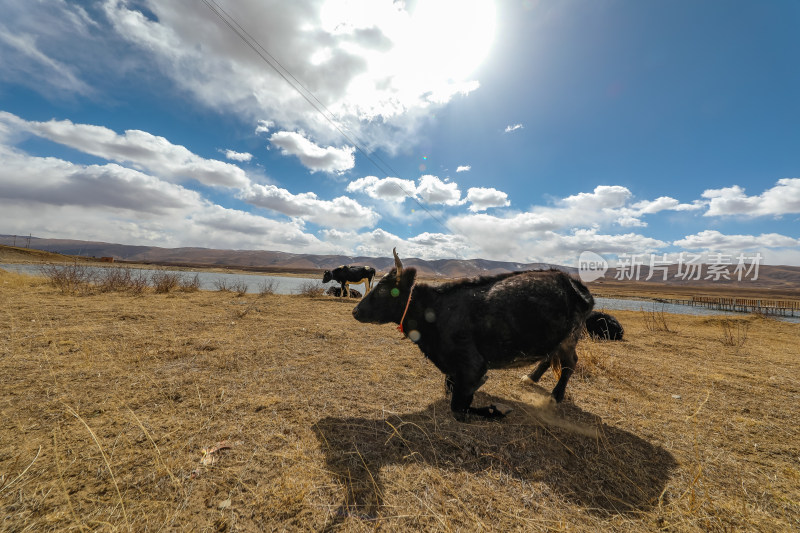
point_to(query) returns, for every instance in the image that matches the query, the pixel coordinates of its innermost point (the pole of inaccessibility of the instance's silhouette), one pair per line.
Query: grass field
(205, 411)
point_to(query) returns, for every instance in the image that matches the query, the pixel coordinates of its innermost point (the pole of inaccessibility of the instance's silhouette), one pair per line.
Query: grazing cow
(346, 275)
(467, 327)
(337, 291)
(604, 326)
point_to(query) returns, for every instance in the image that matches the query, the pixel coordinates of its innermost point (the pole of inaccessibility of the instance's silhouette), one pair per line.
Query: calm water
(613, 304)
(287, 285)
(209, 280)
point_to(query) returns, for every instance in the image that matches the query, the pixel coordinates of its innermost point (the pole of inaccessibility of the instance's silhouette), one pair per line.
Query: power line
(318, 106)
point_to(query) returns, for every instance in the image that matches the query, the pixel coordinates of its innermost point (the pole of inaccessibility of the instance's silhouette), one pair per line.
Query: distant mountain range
(266, 261)
(782, 278)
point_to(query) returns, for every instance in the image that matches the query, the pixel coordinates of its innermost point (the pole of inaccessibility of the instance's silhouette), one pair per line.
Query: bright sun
(454, 35)
(433, 48)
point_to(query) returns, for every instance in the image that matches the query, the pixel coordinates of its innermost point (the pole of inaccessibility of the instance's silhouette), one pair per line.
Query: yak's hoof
(491, 412)
(527, 380)
(499, 410)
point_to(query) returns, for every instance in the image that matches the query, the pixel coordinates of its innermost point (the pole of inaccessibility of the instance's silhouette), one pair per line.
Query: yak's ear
(407, 277)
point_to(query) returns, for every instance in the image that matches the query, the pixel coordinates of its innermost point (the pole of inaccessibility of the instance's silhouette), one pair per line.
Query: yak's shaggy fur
(469, 326)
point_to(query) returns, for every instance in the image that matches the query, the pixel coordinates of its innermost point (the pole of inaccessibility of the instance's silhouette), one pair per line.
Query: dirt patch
(207, 411)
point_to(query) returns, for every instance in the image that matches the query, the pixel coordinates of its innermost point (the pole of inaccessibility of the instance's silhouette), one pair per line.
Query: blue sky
(510, 130)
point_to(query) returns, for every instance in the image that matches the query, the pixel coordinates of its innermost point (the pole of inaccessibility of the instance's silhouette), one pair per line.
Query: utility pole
(29, 241)
(15, 241)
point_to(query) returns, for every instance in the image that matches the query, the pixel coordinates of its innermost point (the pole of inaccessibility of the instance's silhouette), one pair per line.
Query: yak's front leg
(462, 386)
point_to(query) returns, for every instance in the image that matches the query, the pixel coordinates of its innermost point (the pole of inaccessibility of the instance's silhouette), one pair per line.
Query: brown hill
(784, 280)
(263, 260)
(13, 254)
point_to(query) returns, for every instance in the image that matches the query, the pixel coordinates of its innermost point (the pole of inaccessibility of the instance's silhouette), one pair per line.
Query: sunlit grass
(109, 399)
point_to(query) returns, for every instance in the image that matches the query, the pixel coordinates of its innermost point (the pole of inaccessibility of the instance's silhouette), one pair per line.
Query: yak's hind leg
(537, 374)
(568, 358)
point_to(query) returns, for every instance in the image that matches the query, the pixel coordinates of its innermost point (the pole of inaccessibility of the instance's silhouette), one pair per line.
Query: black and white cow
(346, 275)
(467, 327)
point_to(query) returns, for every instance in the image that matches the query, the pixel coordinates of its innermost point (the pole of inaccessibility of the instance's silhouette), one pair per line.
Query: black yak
(467, 327)
(337, 292)
(350, 274)
(604, 326)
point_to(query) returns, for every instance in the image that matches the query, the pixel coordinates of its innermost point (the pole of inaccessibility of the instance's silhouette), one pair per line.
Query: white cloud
(264, 126)
(379, 243)
(375, 65)
(534, 237)
(313, 157)
(464, 168)
(775, 249)
(715, 241)
(609, 204)
(50, 197)
(664, 203)
(432, 190)
(140, 148)
(513, 127)
(603, 197)
(493, 234)
(206, 225)
(30, 51)
(238, 156)
(606, 204)
(55, 182)
(340, 212)
(386, 189)
(628, 221)
(783, 198)
(483, 198)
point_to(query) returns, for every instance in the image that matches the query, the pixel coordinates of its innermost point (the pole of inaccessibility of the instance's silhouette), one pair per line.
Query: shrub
(239, 287)
(655, 320)
(114, 279)
(267, 286)
(222, 285)
(311, 289)
(68, 278)
(734, 332)
(138, 282)
(164, 281)
(190, 284)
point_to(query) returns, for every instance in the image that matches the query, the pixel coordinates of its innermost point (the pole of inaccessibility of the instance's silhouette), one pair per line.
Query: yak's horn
(397, 262)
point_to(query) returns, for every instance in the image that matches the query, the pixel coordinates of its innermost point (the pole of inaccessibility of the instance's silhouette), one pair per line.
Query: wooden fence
(742, 305)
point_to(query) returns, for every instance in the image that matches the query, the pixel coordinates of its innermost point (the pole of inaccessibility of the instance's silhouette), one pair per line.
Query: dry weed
(655, 320)
(108, 402)
(164, 281)
(311, 289)
(190, 284)
(267, 287)
(734, 332)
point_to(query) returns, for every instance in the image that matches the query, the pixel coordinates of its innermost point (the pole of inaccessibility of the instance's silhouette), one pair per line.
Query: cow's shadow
(597, 466)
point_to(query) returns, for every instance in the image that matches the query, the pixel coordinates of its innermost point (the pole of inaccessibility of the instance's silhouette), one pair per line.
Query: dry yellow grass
(108, 402)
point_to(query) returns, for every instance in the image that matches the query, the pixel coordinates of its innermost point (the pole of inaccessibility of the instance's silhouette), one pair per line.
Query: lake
(209, 280)
(293, 285)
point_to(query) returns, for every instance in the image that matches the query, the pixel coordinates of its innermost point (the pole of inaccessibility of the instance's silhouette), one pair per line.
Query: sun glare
(434, 48)
(454, 35)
